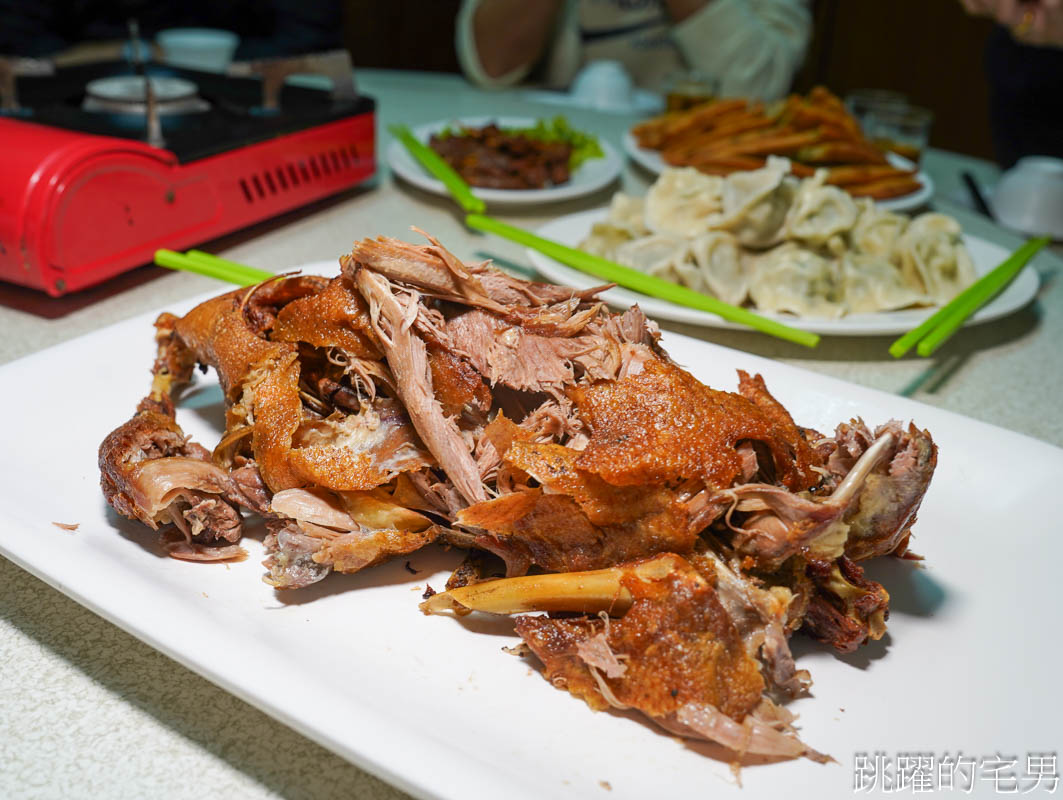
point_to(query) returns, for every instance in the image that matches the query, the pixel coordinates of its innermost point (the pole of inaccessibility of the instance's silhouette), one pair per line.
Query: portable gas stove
(100, 166)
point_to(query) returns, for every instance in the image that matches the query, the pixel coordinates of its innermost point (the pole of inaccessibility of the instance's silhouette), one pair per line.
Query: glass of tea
(685, 90)
(863, 101)
(901, 130)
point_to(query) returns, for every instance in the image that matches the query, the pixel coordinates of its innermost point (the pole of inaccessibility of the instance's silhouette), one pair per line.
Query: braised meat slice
(497, 159)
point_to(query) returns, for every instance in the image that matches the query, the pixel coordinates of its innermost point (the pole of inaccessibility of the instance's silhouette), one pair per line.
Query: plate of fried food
(794, 249)
(512, 160)
(814, 132)
(428, 459)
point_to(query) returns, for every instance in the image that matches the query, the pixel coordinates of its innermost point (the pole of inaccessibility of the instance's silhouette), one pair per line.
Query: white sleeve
(469, 58)
(752, 47)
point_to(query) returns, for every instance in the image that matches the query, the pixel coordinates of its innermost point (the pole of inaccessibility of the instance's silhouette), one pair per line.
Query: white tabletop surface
(88, 711)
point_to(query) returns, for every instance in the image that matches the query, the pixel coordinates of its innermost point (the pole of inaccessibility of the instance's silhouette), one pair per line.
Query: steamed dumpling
(604, 239)
(933, 258)
(820, 212)
(790, 278)
(658, 255)
(718, 259)
(755, 203)
(876, 230)
(626, 212)
(683, 202)
(872, 283)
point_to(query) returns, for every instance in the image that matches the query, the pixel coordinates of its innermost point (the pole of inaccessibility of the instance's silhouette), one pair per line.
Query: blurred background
(856, 44)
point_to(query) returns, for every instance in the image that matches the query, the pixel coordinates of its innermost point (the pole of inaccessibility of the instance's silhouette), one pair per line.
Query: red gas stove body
(78, 208)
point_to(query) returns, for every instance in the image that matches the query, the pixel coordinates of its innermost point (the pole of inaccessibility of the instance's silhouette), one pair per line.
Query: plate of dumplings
(797, 250)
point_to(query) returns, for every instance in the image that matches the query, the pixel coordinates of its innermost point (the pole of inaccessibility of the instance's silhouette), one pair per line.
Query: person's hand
(1034, 22)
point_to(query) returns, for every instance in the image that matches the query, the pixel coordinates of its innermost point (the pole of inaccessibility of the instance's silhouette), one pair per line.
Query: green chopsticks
(432, 162)
(948, 319)
(640, 281)
(212, 266)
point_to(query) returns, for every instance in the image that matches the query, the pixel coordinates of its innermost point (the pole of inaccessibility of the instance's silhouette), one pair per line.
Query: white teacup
(603, 85)
(207, 49)
(1029, 197)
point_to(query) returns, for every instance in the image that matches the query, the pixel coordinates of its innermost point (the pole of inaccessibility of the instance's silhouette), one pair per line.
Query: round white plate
(573, 228)
(651, 160)
(589, 177)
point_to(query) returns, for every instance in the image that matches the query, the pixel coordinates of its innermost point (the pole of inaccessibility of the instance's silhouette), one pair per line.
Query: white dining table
(86, 710)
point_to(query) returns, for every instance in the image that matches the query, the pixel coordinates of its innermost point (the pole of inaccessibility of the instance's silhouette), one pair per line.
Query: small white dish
(589, 177)
(205, 49)
(651, 161)
(573, 228)
(1029, 197)
(604, 86)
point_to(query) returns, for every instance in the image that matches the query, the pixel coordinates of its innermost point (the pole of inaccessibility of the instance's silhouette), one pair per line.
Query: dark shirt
(1025, 98)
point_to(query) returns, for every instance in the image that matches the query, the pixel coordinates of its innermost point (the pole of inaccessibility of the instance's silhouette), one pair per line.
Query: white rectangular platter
(432, 705)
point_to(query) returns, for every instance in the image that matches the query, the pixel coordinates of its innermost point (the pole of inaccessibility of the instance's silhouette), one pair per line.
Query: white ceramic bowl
(603, 86)
(207, 49)
(1029, 197)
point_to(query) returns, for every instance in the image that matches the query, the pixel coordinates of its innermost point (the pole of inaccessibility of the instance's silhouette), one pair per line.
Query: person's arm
(1033, 22)
(680, 10)
(500, 40)
(752, 47)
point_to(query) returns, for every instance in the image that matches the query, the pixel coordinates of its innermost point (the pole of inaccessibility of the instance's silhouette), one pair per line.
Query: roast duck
(676, 536)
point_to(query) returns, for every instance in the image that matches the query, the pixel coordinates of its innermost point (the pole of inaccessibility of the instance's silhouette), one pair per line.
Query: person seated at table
(751, 48)
(1024, 65)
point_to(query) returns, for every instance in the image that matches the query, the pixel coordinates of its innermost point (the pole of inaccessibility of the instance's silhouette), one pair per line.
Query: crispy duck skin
(662, 425)
(575, 521)
(253, 338)
(674, 636)
(675, 655)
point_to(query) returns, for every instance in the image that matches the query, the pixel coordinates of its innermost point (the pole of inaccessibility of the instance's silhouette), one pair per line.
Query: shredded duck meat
(675, 535)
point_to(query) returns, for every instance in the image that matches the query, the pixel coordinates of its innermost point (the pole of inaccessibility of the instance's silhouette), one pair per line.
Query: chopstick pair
(222, 269)
(640, 281)
(937, 329)
(212, 266)
(585, 262)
